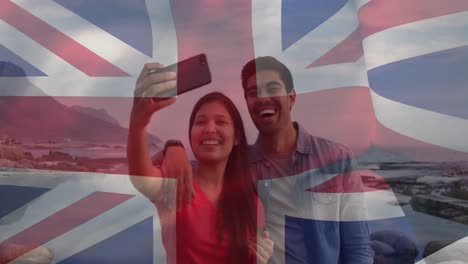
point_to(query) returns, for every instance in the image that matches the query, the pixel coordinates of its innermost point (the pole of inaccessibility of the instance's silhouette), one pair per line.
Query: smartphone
(192, 73)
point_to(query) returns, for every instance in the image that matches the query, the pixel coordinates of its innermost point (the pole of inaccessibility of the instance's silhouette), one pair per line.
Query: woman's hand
(148, 87)
(263, 248)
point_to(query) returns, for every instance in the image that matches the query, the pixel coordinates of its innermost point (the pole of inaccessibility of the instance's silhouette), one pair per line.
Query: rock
(56, 156)
(28, 155)
(445, 251)
(393, 247)
(450, 213)
(381, 248)
(27, 163)
(101, 164)
(442, 206)
(65, 166)
(455, 168)
(6, 163)
(13, 153)
(401, 244)
(21, 164)
(434, 246)
(461, 219)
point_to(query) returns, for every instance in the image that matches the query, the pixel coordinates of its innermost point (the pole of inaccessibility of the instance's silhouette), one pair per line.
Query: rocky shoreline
(439, 189)
(15, 156)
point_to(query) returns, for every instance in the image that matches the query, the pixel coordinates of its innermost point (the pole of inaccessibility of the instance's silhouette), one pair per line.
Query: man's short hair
(267, 63)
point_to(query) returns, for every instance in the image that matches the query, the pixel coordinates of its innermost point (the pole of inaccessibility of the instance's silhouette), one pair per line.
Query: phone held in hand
(192, 73)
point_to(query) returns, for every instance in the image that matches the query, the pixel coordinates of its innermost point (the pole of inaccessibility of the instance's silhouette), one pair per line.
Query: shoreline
(20, 156)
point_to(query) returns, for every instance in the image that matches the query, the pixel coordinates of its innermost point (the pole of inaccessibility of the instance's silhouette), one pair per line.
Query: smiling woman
(220, 223)
(212, 134)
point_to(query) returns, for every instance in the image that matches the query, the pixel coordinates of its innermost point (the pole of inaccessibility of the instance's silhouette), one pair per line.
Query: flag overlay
(387, 78)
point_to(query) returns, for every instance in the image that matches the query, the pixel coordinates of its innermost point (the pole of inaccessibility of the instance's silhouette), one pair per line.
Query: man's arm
(354, 235)
(174, 163)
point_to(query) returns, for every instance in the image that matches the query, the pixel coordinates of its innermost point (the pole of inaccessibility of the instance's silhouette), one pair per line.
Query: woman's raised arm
(144, 176)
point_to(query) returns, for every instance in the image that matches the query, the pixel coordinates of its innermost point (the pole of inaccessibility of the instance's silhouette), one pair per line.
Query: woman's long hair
(236, 207)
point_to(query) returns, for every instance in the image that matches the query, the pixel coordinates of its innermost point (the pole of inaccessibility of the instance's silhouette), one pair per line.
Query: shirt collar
(302, 144)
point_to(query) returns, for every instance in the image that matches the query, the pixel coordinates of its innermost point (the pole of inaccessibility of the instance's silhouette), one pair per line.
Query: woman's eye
(200, 122)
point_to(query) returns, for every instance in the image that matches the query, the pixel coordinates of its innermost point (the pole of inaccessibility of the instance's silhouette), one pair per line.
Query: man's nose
(262, 94)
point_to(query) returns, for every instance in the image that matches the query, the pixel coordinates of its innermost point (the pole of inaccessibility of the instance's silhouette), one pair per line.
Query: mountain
(98, 113)
(36, 117)
(376, 154)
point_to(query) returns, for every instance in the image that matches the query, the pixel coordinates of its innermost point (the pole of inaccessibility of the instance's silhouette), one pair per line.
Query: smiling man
(286, 160)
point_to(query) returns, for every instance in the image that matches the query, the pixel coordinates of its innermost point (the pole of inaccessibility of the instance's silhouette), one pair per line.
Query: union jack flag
(385, 73)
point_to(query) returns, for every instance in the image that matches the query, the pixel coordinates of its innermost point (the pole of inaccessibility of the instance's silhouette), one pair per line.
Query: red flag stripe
(348, 50)
(60, 44)
(63, 221)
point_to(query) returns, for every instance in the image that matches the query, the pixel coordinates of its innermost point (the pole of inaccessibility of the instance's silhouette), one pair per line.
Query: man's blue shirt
(307, 225)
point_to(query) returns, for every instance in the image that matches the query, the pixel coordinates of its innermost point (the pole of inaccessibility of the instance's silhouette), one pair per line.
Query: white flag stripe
(431, 127)
(102, 227)
(42, 207)
(35, 54)
(102, 182)
(164, 34)
(415, 39)
(32, 178)
(361, 206)
(87, 34)
(266, 27)
(381, 204)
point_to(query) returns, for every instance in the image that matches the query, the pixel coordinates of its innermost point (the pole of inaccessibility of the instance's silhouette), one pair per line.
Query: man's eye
(273, 90)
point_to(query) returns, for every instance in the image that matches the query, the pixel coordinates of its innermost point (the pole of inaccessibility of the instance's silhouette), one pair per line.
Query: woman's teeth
(210, 142)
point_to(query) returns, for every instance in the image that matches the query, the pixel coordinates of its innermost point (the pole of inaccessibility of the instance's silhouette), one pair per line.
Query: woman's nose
(210, 127)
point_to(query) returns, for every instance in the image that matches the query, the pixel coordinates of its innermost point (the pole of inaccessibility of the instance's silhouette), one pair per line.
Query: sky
(225, 32)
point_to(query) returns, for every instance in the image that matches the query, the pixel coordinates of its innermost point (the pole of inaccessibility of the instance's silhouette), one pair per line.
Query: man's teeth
(210, 142)
(267, 112)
